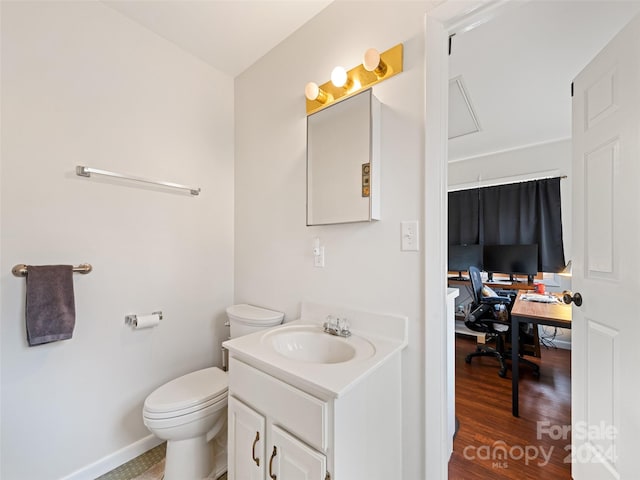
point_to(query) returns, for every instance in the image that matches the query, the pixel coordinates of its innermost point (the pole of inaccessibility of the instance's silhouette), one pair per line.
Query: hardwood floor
(491, 443)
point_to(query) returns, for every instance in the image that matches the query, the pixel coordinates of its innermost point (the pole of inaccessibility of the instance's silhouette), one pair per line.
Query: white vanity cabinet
(275, 430)
(278, 431)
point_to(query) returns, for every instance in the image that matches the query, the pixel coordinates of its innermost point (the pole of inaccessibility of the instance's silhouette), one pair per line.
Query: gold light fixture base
(360, 79)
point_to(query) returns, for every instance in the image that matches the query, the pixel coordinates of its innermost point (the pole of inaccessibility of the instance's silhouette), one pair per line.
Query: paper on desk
(539, 297)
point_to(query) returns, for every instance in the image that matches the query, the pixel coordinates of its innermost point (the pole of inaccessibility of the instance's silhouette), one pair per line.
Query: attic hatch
(462, 118)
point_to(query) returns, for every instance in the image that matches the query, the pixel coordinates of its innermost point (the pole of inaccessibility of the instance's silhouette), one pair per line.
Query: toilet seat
(194, 392)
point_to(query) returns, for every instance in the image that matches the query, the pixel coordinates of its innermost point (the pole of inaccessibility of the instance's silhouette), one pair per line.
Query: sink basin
(309, 343)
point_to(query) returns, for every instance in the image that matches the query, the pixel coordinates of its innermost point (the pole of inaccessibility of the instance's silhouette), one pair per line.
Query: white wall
(365, 268)
(83, 85)
(528, 162)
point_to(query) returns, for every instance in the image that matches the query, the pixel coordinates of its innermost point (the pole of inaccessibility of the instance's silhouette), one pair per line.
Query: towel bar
(83, 171)
(20, 270)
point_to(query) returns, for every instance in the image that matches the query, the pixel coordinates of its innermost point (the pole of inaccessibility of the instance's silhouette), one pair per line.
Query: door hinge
(327, 476)
(571, 89)
(450, 42)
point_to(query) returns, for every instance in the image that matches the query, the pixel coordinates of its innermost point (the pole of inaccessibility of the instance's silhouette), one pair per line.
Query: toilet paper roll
(146, 321)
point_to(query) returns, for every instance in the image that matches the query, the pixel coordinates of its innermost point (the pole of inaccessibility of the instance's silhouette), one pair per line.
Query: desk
(552, 314)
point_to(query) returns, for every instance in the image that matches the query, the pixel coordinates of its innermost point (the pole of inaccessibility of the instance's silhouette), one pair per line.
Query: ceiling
(230, 35)
(517, 70)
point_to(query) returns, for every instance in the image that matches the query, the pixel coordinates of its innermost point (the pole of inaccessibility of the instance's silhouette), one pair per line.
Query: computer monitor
(511, 259)
(462, 256)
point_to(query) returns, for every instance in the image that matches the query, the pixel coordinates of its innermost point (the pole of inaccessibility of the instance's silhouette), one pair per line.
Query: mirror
(343, 173)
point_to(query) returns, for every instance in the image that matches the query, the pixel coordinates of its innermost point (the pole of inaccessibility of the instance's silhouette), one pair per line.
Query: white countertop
(386, 333)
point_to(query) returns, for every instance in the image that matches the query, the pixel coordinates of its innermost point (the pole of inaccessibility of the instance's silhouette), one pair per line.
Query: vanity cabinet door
(290, 459)
(246, 435)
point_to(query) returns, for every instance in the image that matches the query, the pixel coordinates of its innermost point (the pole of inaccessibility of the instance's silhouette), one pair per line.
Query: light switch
(409, 236)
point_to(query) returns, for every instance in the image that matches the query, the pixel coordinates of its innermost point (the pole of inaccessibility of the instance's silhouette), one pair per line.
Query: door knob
(575, 298)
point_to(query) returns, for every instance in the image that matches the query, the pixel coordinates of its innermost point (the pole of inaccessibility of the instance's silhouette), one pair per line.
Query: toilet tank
(245, 319)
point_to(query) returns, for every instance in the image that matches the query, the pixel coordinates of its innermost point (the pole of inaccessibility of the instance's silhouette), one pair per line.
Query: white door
(606, 266)
(246, 443)
(290, 459)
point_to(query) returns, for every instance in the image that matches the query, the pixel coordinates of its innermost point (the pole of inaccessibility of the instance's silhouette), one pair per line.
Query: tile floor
(148, 466)
(138, 465)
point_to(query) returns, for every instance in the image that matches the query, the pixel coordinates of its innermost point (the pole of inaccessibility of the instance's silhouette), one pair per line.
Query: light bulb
(339, 77)
(373, 63)
(313, 92)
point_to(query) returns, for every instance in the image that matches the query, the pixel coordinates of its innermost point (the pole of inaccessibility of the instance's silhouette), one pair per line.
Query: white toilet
(191, 410)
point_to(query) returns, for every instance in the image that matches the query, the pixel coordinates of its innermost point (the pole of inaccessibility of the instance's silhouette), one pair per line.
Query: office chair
(492, 315)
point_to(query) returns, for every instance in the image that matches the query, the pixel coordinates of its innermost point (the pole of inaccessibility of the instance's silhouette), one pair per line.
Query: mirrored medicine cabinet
(343, 171)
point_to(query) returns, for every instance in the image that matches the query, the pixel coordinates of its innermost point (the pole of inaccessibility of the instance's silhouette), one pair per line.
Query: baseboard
(557, 337)
(114, 460)
(565, 345)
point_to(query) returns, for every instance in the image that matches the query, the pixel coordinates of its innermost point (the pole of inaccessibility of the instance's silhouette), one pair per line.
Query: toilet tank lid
(188, 390)
(254, 315)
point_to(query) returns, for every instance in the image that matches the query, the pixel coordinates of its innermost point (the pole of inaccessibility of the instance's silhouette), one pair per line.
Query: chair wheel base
(467, 359)
(502, 373)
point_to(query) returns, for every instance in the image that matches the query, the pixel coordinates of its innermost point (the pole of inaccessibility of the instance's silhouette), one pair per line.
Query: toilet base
(188, 459)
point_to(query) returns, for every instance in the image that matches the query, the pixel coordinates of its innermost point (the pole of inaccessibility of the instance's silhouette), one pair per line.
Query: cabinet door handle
(253, 449)
(273, 455)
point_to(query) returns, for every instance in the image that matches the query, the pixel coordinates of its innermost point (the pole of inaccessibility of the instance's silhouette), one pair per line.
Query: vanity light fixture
(375, 68)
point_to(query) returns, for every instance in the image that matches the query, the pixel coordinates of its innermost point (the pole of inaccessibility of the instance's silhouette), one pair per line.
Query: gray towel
(50, 310)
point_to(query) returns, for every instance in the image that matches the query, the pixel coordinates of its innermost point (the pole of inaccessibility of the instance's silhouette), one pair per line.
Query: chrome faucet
(337, 326)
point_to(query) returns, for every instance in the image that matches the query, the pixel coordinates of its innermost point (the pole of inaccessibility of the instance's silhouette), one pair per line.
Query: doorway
(442, 22)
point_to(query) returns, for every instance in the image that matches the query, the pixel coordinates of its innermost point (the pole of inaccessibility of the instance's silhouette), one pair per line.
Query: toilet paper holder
(133, 318)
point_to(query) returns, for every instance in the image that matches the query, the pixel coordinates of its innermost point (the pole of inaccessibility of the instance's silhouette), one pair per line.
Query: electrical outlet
(409, 232)
(318, 258)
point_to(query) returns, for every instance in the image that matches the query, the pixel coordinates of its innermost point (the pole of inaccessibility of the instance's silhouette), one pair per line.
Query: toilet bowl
(190, 411)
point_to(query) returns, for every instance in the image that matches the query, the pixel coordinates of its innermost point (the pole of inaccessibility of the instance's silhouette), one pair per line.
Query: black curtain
(516, 213)
(464, 208)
